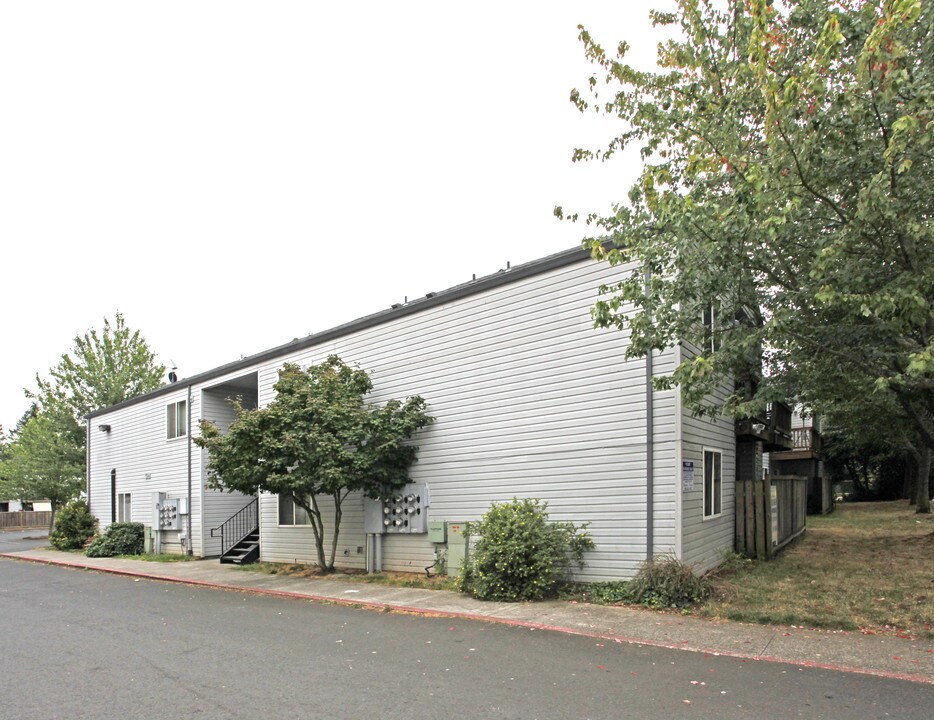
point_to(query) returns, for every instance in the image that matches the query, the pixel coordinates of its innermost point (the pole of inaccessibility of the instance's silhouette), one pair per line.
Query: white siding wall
(218, 505)
(529, 401)
(705, 540)
(137, 446)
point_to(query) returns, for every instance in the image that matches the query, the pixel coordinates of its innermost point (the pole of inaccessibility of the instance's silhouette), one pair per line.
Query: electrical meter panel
(168, 513)
(404, 512)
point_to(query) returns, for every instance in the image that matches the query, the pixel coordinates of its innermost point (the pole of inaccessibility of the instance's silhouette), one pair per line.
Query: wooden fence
(26, 519)
(770, 513)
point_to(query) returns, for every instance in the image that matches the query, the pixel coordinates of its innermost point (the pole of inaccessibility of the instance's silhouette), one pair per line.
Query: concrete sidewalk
(886, 656)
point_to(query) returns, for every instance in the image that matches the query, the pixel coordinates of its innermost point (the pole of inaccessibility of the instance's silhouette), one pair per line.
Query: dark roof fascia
(497, 279)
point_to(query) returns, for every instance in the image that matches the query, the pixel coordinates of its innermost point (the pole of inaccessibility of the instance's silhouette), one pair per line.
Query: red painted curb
(485, 618)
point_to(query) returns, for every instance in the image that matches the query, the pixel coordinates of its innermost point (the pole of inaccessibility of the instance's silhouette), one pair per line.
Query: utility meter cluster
(406, 511)
(168, 513)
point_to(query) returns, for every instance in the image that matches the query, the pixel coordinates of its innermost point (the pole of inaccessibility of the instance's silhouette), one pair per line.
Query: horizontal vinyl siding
(296, 544)
(135, 446)
(704, 541)
(529, 401)
(218, 505)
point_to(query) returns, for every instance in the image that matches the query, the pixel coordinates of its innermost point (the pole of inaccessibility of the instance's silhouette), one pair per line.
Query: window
(291, 513)
(176, 420)
(713, 483)
(711, 332)
(123, 507)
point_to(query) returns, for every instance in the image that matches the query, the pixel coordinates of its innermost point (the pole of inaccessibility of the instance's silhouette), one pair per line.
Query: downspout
(649, 448)
(87, 462)
(190, 539)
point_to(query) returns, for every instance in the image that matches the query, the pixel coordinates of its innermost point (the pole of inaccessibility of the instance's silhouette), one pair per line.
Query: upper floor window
(711, 330)
(176, 419)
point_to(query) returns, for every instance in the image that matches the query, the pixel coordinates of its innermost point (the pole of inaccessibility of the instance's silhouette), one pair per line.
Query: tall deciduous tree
(43, 463)
(103, 368)
(789, 183)
(317, 439)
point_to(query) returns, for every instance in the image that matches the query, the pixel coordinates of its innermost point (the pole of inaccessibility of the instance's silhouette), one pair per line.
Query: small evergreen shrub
(519, 555)
(118, 539)
(667, 582)
(74, 526)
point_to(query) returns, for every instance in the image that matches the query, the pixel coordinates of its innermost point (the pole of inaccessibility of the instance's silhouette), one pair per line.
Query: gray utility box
(168, 514)
(404, 512)
(457, 547)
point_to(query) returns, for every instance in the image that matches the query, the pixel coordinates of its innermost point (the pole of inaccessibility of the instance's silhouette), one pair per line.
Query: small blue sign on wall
(687, 475)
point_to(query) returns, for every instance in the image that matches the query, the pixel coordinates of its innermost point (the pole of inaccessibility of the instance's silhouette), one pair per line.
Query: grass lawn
(866, 566)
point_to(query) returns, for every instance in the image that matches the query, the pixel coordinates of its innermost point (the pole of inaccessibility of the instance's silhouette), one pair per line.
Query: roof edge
(472, 287)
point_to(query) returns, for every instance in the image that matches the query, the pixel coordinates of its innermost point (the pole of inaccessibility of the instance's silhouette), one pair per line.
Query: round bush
(118, 539)
(519, 555)
(74, 526)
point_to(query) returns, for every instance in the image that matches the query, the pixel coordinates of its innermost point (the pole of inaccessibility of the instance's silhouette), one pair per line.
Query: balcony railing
(806, 438)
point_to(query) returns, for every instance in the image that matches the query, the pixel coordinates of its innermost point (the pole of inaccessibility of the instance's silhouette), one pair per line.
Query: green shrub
(606, 593)
(665, 581)
(74, 526)
(118, 539)
(519, 555)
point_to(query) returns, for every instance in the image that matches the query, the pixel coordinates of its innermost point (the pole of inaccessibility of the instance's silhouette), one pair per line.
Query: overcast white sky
(233, 175)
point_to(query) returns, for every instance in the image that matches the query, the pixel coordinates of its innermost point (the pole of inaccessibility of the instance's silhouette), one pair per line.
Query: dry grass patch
(866, 566)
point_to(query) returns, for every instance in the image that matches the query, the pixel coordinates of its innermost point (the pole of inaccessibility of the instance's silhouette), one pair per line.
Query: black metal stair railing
(238, 526)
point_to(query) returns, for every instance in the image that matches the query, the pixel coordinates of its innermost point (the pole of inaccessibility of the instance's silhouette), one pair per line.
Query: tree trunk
(318, 526)
(338, 513)
(52, 515)
(923, 486)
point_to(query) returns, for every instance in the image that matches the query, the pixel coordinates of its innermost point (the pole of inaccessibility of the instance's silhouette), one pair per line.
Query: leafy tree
(317, 439)
(103, 369)
(788, 183)
(43, 462)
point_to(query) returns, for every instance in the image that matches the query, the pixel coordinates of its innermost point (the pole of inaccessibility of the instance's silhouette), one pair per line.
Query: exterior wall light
(104, 428)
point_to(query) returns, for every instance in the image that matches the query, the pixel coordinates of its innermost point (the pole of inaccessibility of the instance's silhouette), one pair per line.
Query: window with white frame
(123, 507)
(291, 513)
(713, 483)
(176, 419)
(711, 331)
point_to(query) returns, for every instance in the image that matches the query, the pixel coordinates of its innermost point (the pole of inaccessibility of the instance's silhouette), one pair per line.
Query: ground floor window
(290, 512)
(123, 507)
(713, 483)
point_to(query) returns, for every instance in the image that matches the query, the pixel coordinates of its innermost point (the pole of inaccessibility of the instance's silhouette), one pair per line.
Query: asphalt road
(16, 540)
(79, 644)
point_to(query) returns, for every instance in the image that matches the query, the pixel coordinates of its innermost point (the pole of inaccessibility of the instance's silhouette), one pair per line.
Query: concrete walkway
(886, 656)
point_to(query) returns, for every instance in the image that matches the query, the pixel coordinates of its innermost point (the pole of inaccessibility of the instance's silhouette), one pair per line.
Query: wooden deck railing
(806, 438)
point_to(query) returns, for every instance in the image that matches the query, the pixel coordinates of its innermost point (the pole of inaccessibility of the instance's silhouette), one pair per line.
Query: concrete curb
(429, 612)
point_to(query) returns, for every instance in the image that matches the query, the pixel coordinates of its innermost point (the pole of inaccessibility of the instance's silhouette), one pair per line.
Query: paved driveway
(17, 540)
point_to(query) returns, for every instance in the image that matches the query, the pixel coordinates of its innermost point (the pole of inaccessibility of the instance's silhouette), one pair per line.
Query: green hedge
(118, 539)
